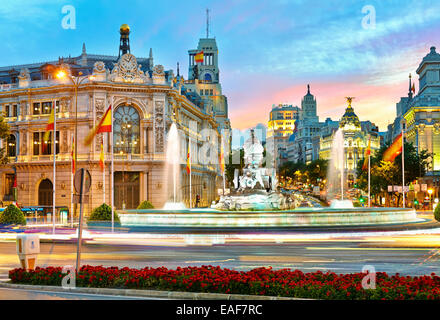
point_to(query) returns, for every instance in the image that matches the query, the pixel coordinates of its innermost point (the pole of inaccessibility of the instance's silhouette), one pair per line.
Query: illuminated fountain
(335, 175)
(255, 203)
(255, 189)
(172, 171)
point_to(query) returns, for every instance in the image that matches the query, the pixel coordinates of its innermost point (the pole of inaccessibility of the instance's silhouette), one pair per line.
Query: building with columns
(146, 99)
(356, 135)
(204, 80)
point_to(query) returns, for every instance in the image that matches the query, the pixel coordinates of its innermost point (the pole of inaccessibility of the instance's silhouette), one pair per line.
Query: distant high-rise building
(281, 125)
(308, 107)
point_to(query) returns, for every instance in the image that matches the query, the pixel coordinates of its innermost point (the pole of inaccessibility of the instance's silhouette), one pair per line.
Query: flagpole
(71, 184)
(190, 173)
(112, 173)
(103, 171)
(54, 138)
(222, 166)
(403, 164)
(369, 172)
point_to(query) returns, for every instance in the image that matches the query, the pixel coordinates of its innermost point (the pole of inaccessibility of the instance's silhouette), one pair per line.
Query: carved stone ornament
(159, 125)
(127, 70)
(24, 74)
(99, 67)
(158, 70)
(158, 74)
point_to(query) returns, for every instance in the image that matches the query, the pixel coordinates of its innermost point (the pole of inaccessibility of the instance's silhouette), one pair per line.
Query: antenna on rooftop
(207, 23)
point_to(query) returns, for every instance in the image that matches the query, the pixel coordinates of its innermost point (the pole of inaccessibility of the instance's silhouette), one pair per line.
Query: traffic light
(361, 199)
(416, 202)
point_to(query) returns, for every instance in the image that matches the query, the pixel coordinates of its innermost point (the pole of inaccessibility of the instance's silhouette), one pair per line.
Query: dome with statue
(349, 120)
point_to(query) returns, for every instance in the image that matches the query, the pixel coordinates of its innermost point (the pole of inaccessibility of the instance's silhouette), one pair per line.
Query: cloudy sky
(269, 50)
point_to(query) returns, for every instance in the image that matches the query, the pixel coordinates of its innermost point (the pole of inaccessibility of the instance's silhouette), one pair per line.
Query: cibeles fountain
(256, 188)
(255, 203)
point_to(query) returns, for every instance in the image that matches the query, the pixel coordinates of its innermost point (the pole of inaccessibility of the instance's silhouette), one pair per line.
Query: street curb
(178, 295)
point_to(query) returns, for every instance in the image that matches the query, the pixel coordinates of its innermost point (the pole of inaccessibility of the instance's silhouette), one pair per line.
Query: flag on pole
(413, 88)
(72, 155)
(49, 128)
(393, 150)
(199, 57)
(188, 160)
(367, 154)
(101, 157)
(105, 125)
(50, 125)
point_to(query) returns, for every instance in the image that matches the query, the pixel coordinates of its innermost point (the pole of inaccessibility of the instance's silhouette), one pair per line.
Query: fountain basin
(302, 217)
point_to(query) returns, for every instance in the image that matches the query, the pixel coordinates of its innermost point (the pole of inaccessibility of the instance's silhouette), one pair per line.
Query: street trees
(384, 174)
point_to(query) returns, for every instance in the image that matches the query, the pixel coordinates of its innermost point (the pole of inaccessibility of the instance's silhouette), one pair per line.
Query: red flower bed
(260, 281)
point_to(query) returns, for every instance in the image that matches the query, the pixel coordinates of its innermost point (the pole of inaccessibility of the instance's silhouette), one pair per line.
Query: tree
(385, 173)
(4, 134)
(317, 170)
(12, 215)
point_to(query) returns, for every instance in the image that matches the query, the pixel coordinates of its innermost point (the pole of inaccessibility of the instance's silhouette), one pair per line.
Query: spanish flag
(105, 125)
(50, 125)
(413, 88)
(188, 160)
(222, 159)
(393, 150)
(101, 157)
(199, 57)
(72, 154)
(367, 154)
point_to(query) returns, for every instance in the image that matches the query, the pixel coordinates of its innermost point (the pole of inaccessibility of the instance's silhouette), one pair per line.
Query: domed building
(356, 137)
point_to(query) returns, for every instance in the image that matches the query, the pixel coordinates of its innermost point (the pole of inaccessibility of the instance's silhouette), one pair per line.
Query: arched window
(12, 146)
(126, 130)
(208, 77)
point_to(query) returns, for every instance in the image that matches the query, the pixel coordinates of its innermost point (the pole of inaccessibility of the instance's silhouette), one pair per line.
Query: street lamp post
(76, 81)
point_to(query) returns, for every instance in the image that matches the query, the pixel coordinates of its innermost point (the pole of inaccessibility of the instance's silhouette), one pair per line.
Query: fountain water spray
(335, 176)
(173, 170)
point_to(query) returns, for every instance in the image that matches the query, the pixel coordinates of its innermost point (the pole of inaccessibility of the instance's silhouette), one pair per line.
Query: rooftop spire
(207, 23)
(308, 89)
(84, 48)
(124, 42)
(151, 52)
(178, 73)
(410, 94)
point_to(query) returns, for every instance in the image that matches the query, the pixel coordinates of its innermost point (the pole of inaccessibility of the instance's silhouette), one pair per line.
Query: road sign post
(82, 183)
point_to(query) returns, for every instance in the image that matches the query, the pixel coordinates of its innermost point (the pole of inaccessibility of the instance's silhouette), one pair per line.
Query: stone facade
(151, 101)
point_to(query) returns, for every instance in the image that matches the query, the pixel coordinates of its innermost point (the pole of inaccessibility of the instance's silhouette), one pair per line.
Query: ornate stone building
(356, 137)
(145, 99)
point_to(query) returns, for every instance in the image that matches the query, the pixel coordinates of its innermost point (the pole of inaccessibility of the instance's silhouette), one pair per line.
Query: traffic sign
(87, 181)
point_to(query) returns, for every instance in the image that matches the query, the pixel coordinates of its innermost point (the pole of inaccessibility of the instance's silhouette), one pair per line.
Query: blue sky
(269, 50)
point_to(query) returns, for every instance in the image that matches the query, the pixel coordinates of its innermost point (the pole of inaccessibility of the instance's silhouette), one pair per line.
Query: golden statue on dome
(349, 100)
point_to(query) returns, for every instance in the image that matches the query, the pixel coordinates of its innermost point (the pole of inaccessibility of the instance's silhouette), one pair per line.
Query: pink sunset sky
(269, 50)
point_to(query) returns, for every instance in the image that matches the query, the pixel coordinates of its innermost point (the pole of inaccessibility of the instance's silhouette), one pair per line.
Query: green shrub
(437, 212)
(12, 215)
(103, 213)
(145, 205)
